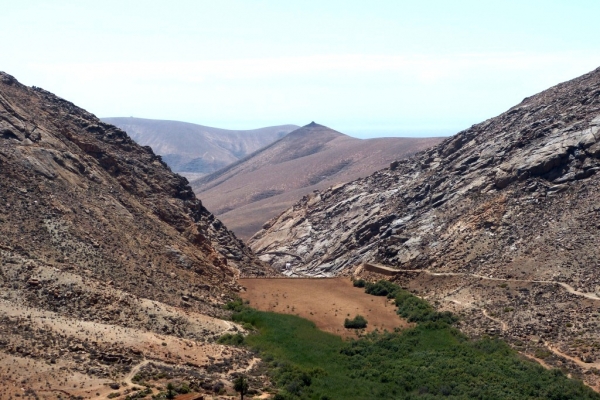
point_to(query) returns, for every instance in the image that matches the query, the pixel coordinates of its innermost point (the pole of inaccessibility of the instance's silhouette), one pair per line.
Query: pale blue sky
(362, 67)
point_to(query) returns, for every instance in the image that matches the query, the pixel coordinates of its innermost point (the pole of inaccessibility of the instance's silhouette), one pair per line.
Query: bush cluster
(359, 283)
(358, 322)
(231, 339)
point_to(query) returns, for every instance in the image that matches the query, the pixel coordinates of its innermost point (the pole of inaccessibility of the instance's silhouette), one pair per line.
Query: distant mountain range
(195, 150)
(251, 191)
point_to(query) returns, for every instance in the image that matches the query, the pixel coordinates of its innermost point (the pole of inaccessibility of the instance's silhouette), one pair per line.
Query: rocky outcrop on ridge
(511, 202)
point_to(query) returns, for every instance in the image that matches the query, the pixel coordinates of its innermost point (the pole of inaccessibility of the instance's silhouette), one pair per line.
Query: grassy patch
(431, 360)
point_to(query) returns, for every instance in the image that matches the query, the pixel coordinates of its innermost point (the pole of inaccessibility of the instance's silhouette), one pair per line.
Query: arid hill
(107, 258)
(194, 150)
(251, 191)
(500, 222)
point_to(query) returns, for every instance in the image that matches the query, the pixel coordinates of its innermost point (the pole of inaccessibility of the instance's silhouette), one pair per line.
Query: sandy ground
(326, 302)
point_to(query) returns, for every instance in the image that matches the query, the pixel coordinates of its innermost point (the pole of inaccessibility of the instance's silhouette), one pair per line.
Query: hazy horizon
(357, 132)
(391, 67)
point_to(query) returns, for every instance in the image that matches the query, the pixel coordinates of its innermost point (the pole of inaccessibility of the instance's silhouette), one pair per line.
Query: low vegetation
(232, 339)
(410, 307)
(358, 322)
(431, 360)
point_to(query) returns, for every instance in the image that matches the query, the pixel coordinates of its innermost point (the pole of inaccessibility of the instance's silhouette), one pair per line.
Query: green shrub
(240, 385)
(231, 339)
(382, 288)
(184, 388)
(236, 305)
(359, 283)
(358, 322)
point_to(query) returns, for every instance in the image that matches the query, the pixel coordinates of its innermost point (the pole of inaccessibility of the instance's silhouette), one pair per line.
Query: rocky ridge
(510, 202)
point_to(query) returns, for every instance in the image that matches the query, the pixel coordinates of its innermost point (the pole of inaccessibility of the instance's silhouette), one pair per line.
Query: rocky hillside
(195, 150)
(501, 221)
(104, 252)
(251, 191)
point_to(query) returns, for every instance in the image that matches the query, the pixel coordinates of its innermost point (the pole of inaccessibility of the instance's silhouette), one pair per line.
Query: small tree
(170, 391)
(240, 384)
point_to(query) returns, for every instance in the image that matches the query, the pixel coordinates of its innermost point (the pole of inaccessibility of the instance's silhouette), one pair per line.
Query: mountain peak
(313, 129)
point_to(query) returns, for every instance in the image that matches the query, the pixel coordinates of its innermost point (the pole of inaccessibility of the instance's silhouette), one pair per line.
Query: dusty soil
(326, 302)
(39, 367)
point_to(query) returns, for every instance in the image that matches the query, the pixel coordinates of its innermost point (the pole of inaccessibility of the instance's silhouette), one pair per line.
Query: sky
(365, 68)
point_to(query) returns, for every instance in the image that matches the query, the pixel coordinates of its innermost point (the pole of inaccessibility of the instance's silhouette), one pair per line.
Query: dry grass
(326, 302)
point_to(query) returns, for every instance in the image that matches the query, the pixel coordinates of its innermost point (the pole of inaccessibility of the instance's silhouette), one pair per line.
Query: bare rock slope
(195, 150)
(251, 191)
(105, 254)
(501, 220)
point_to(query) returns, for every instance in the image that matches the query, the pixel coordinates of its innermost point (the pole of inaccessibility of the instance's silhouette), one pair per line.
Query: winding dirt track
(566, 286)
(504, 325)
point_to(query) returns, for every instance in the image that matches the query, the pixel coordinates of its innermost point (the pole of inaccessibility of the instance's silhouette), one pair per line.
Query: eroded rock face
(79, 194)
(106, 256)
(519, 189)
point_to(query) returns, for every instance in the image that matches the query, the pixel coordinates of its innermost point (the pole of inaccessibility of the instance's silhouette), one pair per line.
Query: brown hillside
(253, 190)
(105, 255)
